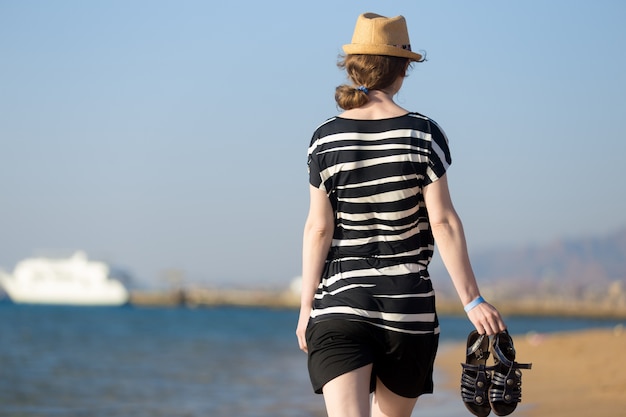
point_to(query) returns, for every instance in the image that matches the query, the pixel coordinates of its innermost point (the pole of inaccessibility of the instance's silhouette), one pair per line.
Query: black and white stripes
(374, 172)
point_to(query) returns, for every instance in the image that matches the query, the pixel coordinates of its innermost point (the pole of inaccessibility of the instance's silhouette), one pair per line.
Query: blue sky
(172, 134)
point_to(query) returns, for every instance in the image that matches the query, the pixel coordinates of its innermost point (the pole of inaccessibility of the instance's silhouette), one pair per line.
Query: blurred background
(172, 136)
(155, 152)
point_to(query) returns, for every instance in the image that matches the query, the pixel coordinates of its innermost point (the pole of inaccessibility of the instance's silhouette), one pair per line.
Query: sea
(59, 361)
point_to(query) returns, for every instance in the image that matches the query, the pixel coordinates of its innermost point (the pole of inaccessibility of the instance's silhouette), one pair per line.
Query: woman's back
(373, 172)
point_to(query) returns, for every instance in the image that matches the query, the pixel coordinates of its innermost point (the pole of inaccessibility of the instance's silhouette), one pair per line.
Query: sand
(574, 374)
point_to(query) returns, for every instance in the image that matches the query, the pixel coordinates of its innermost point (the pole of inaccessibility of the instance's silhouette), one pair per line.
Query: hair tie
(363, 88)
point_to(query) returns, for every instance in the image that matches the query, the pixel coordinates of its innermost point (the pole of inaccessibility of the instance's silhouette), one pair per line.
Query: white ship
(70, 281)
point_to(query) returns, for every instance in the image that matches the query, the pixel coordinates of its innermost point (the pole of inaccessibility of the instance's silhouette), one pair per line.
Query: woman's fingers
(486, 319)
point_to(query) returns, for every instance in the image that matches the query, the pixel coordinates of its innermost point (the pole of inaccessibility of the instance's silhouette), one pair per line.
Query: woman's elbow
(318, 231)
(449, 220)
(318, 227)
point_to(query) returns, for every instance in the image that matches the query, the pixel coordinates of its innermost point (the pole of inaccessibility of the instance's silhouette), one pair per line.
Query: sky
(172, 135)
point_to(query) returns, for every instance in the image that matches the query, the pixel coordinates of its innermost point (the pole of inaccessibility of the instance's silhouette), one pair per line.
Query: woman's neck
(379, 106)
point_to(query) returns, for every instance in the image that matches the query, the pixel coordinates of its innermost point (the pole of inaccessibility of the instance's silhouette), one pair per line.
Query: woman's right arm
(318, 235)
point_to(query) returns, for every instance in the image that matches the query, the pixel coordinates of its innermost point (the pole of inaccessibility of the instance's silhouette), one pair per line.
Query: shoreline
(198, 298)
(574, 374)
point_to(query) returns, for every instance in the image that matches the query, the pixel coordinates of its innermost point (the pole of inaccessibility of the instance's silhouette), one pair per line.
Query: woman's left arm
(318, 235)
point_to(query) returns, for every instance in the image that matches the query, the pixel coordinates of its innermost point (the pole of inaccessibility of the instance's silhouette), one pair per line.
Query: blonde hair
(374, 72)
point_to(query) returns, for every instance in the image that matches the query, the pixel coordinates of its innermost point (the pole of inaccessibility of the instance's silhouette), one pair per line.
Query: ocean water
(178, 362)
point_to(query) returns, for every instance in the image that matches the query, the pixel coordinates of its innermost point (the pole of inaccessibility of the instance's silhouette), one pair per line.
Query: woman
(378, 197)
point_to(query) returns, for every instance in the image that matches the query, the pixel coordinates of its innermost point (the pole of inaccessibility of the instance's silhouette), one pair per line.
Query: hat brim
(388, 50)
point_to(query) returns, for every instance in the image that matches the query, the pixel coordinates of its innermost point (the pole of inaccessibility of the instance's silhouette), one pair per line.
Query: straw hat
(380, 35)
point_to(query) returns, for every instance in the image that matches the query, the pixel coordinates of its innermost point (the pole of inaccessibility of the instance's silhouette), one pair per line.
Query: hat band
(406, 47)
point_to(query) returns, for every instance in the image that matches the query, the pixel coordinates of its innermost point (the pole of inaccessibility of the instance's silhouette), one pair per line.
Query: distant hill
(583, 260)
(581, 268)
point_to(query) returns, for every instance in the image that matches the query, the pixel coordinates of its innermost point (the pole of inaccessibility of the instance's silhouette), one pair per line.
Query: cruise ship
(69, 281)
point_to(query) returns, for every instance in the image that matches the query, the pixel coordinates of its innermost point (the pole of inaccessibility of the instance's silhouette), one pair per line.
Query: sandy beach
(577, 374)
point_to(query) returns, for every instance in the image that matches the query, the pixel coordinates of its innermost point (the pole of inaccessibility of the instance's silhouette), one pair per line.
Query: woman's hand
(303, 322)
(486, 319)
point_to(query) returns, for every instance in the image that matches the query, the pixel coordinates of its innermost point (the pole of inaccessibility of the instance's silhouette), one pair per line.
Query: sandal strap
(474, 389)
(506, 387)
(517, 365)
(476, 349)
(501, 357)
(477, 367)
(506, 396)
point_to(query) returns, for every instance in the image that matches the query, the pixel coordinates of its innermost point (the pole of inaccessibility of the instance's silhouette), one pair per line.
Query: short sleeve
(313, 164)
(439, 156)
(314, 171)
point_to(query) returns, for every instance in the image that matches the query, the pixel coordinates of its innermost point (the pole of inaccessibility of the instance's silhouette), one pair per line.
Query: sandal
(475, 379)
(506, 383)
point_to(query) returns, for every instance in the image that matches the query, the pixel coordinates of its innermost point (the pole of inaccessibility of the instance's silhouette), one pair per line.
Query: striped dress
(373, 172)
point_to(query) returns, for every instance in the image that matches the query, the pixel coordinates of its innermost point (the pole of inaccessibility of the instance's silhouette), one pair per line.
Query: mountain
(582, 260)
(586, 268)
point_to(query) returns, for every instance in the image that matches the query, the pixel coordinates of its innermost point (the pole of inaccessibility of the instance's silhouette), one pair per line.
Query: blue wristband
(473, 303)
